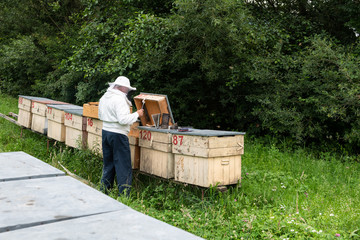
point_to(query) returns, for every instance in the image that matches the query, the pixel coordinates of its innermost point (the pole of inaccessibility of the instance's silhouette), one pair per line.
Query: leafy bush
(22, 65)
(311, 95)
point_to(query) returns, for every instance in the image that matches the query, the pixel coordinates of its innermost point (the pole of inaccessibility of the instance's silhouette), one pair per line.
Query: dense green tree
(339, 18)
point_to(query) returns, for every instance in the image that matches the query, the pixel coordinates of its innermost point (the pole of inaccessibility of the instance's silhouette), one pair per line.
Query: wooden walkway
(38, 201)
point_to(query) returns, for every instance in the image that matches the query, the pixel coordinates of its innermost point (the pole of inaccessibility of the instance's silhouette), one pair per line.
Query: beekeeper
(114, 111)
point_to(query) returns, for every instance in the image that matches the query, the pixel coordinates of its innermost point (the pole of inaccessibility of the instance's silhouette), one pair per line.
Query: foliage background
(284, 68)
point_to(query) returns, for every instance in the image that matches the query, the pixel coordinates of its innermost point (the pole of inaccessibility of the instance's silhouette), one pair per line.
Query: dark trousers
(116, 161)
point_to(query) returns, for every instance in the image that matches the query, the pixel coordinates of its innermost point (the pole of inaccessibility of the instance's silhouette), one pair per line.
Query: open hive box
(157, 111)
(156, 157)
(56, 118)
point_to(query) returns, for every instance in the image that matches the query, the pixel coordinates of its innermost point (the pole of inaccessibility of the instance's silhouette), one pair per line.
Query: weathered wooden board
(157, 163)
(133, 140)
(163, 147)
(154, 136)
(56, 130)
(134, 131)
(135, 156)
(205, 172)
(24, 118)
(207, 146)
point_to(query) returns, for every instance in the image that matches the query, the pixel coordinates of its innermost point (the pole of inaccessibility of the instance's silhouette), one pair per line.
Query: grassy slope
(282, 195)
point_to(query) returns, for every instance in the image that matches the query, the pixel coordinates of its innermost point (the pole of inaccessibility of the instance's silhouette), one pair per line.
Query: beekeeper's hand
(140, 112)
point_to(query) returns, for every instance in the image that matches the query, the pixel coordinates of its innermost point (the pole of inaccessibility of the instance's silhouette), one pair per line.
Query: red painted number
(178, 140)
(20, 100)
(68, 116)
(49, 110)
(90, 122)
(33, 105)
(145, 135)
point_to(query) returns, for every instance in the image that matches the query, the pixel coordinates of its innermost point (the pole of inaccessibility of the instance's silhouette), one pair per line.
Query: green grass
(282, 194)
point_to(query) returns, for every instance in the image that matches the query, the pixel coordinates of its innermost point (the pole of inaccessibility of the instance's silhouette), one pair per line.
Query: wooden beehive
(75, 128)
(24, 105)
(56, 118)
(91, 110)
(208, 157)
(156, 155)
(155, 105)
(39, 121)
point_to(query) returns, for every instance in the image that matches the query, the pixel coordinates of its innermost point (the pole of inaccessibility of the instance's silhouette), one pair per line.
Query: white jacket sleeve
(123, 115)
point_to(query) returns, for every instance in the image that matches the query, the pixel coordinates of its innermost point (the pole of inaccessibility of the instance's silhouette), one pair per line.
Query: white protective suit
(114, 111)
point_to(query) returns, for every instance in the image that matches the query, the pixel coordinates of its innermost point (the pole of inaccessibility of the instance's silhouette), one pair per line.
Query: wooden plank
(134, 131)
(73, 137)
(39, 123)
(14, 115)
(226, 141)
(94, 126)
(24, 118)
(163, 147)
(135, 156)
(133, 140)
(153, 136)
(10, 119)
(184, 141)
(203, 152)
(207, 171)
(157, 163)
(56, 130)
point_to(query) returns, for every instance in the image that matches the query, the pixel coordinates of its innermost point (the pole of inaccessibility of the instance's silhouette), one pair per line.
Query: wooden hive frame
(154, 104)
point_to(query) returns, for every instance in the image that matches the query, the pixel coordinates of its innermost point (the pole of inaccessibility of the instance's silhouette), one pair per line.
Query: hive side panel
(24, 118)
(56, 130)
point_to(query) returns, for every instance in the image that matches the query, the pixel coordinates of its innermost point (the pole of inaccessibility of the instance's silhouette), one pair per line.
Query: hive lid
(34, 98)
(154, 104)
(195, 132)
(65, 106)
(78, 112)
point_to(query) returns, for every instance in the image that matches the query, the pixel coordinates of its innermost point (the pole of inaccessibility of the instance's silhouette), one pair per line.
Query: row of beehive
(199, 157)
(66, 122)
